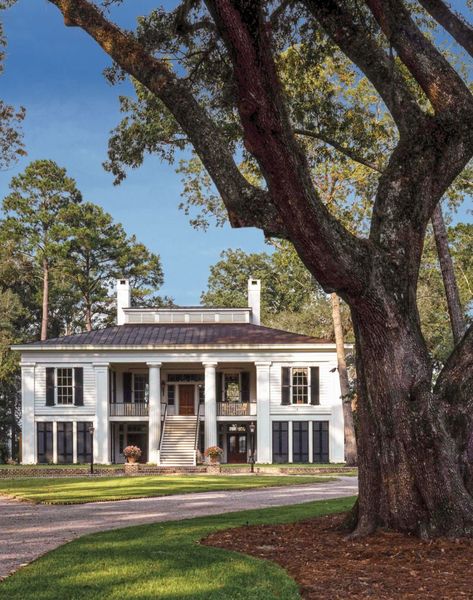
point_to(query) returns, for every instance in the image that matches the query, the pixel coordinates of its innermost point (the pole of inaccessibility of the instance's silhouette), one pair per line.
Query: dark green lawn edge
(165, 561)
(131, 496)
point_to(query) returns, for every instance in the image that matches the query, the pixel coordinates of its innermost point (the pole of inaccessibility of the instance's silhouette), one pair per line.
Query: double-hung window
(300, 385)
(65, 386)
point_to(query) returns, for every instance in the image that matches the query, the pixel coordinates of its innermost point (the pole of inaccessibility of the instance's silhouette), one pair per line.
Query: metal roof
(180, 334)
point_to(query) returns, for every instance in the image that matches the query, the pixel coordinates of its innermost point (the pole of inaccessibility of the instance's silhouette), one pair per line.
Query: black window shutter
(219, 386)
(50, 386)
(314, 385)
(79, 386)
(286, 385)
(245, 387)
(126, 387)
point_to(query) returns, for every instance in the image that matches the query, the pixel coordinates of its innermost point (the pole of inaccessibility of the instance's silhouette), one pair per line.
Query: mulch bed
(383, 566)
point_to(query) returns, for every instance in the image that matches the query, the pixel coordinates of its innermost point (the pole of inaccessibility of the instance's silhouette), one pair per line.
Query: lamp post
(252, 447)
(91, 432)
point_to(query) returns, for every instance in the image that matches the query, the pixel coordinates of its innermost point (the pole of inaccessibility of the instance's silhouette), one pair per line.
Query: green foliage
(165, 560)
(290, 297)
(431, 295)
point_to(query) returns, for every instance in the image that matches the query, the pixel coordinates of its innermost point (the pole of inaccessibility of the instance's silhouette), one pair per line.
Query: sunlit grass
(164, 561)
(82, 490)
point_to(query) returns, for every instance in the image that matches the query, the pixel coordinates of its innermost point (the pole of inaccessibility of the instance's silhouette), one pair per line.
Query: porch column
(210, 405)
(263, 418)
(154, 407)
(28, 433)
(102, 423)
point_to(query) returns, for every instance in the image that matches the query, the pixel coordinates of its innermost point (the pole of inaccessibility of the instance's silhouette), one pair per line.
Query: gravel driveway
(30, 530)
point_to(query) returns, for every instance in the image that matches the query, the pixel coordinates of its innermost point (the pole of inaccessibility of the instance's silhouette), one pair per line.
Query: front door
(237, 448)
(186, 400)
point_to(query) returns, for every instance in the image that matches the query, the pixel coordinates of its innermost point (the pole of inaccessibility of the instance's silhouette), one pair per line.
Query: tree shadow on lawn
(165, 561)
(78, 491)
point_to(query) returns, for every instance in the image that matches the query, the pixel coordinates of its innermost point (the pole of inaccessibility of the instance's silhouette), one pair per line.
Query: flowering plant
(213, 451)
(132, 452)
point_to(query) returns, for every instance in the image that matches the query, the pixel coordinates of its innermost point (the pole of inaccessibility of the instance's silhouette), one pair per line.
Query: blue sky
(56, 73)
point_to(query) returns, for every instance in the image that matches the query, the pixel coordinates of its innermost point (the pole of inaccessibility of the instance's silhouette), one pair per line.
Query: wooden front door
(186, 400)
(237, 448)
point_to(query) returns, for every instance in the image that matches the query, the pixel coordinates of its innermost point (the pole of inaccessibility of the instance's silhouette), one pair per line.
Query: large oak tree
(416, 435)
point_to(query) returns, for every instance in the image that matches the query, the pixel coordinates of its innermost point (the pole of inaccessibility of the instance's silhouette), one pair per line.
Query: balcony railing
(236, 409)
(129, 409)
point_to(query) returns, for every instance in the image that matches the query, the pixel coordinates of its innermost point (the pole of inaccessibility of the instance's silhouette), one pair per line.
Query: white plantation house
(176, 381)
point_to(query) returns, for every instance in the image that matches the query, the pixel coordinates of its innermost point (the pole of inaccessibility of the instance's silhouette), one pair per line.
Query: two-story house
(176, 381)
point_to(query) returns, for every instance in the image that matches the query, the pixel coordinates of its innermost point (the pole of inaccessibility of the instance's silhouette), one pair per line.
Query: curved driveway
(29, 530)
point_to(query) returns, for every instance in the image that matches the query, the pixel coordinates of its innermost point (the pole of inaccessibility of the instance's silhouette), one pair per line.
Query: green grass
(164, 561)
(82, 490)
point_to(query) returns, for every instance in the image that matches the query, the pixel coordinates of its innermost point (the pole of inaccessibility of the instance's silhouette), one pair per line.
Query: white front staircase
(178, 439)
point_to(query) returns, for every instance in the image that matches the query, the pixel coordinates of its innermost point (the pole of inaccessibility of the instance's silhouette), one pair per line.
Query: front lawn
(84, 489)
(165, 561)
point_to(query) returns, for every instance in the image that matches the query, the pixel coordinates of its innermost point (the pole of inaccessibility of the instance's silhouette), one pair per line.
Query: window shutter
(50, 386)
(245, 387)
(218, 386)
(286, 385)
(79, 386)
(126, 387)
(314, 385)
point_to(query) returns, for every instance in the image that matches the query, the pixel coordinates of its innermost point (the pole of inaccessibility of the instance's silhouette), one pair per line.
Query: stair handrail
(163, 422)
(197, 428)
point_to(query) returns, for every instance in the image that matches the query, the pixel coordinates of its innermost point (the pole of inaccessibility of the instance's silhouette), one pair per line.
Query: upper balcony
(236, 409)
(129, 409)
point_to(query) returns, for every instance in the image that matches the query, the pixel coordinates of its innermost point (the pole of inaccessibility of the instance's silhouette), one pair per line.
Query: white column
(154, 406)
(74, 442)
(210, 405)
(311, 441)
(55, 442)
(290, 442)
(263, 417)
(28, 434)
(102, 422)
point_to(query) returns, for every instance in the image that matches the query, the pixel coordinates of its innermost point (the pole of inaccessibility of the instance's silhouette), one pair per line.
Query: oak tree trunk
(349, 428)
(45, 304)
(448, 275)
(410, 474)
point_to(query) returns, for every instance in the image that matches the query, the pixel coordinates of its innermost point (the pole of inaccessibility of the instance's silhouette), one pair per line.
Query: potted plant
(213, 453)
(132, 453)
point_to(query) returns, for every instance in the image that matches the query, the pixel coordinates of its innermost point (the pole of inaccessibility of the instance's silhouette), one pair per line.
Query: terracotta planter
(214, 460)
(132, 459)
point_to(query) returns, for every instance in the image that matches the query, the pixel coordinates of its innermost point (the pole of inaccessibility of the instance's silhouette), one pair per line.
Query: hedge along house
(176, 381)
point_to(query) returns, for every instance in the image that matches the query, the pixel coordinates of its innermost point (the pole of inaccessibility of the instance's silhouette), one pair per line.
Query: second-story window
(65, 386)
(140, 388)
(300, 385)
(232, 387)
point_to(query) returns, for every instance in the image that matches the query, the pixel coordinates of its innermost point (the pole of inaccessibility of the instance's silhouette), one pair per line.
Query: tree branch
(453, 22)
(247, 205)
(356, 41)
(440, 82)
(338, 259)
(340, 147)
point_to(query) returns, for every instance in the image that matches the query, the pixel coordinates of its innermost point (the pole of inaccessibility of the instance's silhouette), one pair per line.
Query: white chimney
(254, 300)
(123, 299)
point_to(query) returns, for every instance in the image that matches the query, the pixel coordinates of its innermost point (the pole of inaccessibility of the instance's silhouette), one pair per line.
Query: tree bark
(45, 303)
(448, 275)
(349, 427)
(411, 475)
